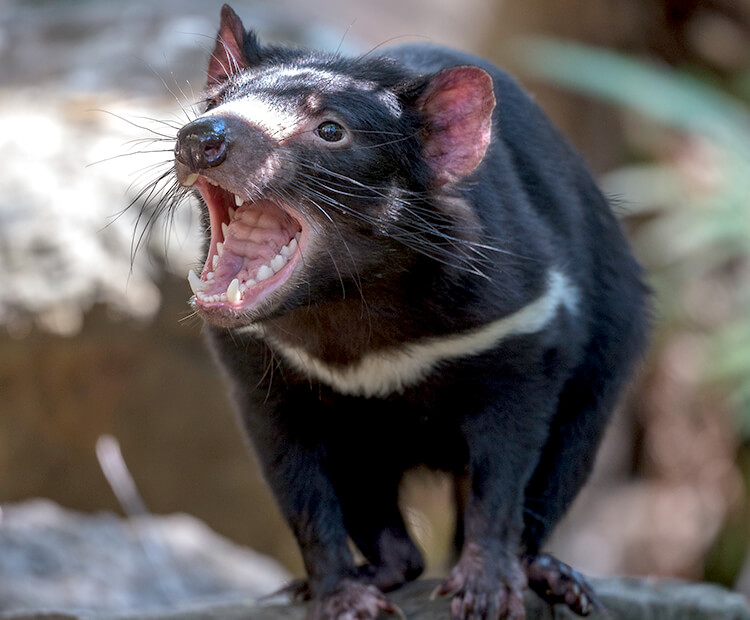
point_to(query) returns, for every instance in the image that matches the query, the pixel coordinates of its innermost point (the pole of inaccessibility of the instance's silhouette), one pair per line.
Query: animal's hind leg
(375, 524)
(566, 461)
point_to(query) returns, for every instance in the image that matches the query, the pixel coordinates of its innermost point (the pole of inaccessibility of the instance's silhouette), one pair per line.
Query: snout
(202, 143)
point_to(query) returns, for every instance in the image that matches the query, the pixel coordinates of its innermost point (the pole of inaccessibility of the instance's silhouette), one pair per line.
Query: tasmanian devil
(408, 265)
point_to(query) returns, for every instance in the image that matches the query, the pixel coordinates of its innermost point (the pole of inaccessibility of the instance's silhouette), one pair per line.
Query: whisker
(168, 89)
(136, 125)
(130, 154)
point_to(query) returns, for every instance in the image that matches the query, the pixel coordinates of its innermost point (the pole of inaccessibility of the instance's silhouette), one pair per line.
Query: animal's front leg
(504, 441)
(294, 457)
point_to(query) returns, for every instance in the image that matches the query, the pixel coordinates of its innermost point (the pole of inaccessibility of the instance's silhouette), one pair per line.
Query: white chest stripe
(392, 370)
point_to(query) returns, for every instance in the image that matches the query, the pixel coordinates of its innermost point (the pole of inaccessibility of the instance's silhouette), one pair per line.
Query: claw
(298, 590)
(448, 586)
(438, 591)
(396, 610)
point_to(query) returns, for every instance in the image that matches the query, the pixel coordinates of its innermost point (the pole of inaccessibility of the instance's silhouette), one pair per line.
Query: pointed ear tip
(228, 14)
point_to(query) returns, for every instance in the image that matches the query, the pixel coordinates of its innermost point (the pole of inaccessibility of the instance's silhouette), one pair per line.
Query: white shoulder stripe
(392, 370)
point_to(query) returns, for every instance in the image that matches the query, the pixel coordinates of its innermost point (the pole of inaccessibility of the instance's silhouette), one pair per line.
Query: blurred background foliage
(653, 92)
(693, 204)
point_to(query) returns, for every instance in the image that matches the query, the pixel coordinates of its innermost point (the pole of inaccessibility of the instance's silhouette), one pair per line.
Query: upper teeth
(238, 201)
(288, 250)
(190, 179)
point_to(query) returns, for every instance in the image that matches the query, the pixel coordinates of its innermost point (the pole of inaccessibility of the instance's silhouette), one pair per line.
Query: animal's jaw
(255, 249)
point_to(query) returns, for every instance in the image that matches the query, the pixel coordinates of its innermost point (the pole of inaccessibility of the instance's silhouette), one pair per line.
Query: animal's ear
(235, 49)
(457, 106)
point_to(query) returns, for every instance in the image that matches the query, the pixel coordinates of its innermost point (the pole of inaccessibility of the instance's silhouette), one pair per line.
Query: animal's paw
(351, 601)
(485, 588)
(384, 578)
(556, 582)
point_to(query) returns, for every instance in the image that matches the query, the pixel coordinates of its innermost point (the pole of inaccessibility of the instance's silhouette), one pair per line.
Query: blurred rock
(53, 558)
(66, 242)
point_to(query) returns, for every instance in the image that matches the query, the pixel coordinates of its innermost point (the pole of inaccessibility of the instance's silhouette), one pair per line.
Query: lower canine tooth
(233, 292)
(195, 282)
(264, 273)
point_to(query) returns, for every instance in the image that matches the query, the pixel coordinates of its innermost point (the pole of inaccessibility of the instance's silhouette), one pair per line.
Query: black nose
(202, 143)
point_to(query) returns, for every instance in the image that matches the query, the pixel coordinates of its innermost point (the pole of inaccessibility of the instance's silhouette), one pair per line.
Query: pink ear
(457, 105)
(228, 57)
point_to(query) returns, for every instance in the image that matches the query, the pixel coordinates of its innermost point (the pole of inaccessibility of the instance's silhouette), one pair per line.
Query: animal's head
(319, 173)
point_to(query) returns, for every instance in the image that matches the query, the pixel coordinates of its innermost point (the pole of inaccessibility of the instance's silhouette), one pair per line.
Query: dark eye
(330, 131)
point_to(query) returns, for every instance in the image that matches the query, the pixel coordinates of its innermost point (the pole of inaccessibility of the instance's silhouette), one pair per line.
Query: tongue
(228, 266)
(253, 238)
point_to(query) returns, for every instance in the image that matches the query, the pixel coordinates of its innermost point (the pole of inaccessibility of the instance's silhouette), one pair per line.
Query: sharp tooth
(219, 248)
(195, 282)
(285, 251)
(238, 201)
(277, 262)
(215, 261)
(190, 179)
(264, 273)
(210, 275)
(224, 229)
(233, 292)
(292, 246)
(231, 213)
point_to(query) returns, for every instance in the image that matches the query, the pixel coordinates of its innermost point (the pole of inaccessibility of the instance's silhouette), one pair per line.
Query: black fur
(520, 422)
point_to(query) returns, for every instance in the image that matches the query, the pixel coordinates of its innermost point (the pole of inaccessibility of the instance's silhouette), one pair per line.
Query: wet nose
(202, 143)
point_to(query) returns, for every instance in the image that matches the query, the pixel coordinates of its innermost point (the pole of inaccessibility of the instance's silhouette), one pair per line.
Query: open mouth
(254, 249)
